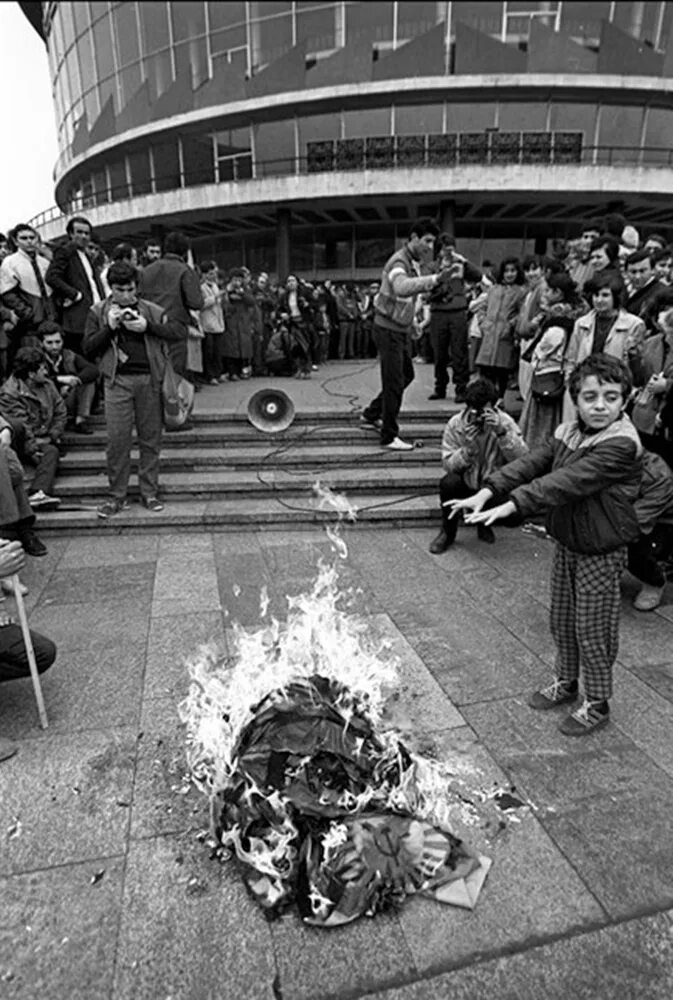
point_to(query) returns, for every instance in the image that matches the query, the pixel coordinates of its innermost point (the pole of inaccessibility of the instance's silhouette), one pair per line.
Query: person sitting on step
(476, 442)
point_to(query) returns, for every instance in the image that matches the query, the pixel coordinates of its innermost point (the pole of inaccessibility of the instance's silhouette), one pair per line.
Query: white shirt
(88, 270)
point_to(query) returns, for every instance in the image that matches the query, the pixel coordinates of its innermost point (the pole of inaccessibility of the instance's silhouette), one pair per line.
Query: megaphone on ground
(270, 410)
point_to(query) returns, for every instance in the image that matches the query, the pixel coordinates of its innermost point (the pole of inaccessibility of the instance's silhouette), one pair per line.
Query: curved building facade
(306, 135)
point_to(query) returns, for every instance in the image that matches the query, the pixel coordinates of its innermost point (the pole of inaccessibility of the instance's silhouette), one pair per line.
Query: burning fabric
(324, 806)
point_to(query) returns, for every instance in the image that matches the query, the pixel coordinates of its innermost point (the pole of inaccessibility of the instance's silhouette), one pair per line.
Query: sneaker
(214, 381)
(222, 379)
(397, 444)
(42, 501)
(558, 693)
(152, 504)
(586, 719)
(111, 507)
(374, 425)
(7, 748)
(32, 545)
(648, 598)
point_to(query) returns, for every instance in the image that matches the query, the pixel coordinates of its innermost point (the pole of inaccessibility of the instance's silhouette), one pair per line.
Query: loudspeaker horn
(271, 411)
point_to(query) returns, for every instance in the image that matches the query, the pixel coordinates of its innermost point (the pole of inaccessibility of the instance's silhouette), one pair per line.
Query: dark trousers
(498, 376)
(212, 355)
(177, 352)
(133, 400)
(45, 468)
(452, 486)
(346, 338)
(448, 336)
(13, 657)
(397, 372)
(658, 444)
(647, 551)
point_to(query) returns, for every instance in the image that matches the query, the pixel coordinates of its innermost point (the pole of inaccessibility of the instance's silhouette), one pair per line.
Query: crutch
(30, 652)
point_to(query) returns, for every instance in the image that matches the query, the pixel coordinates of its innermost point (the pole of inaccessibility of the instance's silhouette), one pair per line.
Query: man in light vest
(394, 310)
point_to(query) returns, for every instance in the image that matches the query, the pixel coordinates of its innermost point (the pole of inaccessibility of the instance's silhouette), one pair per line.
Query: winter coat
(655, 495)
(655, 356)
(498, 322)
(238, 326)
(101, 341)
(626, 334)
(173, 286)
(476, 457)
(586, 482)
(212, 313)
(20, 290)
(39, 408)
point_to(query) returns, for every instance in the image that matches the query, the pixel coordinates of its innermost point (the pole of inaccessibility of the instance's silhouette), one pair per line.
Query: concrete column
(447, 217)
(283, 224)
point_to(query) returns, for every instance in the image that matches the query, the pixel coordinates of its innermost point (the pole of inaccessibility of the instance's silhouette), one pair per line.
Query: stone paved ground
(105, 891)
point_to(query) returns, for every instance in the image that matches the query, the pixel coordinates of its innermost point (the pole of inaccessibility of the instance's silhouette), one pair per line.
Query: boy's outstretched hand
(498, 513)
(473, 503)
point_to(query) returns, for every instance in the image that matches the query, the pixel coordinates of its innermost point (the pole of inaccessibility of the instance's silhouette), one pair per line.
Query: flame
(339, 502)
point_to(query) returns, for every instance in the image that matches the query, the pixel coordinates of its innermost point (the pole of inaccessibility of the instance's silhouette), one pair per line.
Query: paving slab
(59, 930)
(645, 715)
(117, 551)
(85, 626)
(188, 929)
(66, 799)
(95, 688)
(633, 961)
(92, 584)
(172, 641)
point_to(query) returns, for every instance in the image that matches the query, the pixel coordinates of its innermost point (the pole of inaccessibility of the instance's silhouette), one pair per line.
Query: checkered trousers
(584, 619)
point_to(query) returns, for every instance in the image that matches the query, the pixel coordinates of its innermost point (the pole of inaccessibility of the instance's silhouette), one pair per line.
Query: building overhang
(579, 88)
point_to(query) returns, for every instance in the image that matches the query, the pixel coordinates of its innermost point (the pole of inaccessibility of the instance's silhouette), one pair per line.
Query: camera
(129, 314)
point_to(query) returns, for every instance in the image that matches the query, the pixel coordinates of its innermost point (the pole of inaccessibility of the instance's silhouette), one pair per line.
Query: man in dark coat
(171, 284)
(75, 282)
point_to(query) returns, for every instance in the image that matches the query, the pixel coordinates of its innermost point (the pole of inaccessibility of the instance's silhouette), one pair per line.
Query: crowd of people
(582, 338)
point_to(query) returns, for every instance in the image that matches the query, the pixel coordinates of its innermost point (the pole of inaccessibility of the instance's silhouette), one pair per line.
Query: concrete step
(186, 485)
(272, 512)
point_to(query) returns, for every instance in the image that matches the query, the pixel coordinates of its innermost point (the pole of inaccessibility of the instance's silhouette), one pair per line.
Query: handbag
(177, 397)
(547, 387)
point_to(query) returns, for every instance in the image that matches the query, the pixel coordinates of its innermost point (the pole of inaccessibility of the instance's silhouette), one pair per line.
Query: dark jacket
(72, 363)
(587, 483)
(640, 301)
(67, 278)
(101, 341)
(40, 409)
(173, 286)
(655, 495)
(238, 325)
(450, 295)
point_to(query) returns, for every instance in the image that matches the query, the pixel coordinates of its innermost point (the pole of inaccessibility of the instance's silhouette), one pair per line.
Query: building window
(166, 166)
(154, 24)
(274, 148)
(583, 20)
(484, 16)
(418, 118)
(316, 25)
(415, 19)
(126, 34)
(270, 37)
(159, 73)
(234, 157)
(226, 24)
(372, 21)
(119, 187)
(197, 160)
(141, 179)
(371, 121)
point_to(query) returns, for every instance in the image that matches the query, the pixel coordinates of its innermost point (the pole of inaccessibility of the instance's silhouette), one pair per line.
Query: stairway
(224, 475)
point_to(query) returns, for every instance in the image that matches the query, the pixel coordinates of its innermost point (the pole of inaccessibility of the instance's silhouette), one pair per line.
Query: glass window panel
(56, 38)
(416, 18)
(484, 16)
(372, 21)
(266, 8)
(224, 15)
(166, 166)
(188, 20)
(159, 73)
(131, 78)
(232, 141)
(239, 61)
(583, 19)
(139, 163)
(658, 136)
(126, 34)
(86, 63)
(102, 37)
(317, 128)
(64, 11)
(91, 105)
(373, 251)
(197, 160)
(98, 9)
(576, 118)
(469, 117)
(72, 69)
(230, 38)
(418, 119)
(192, 58)
(154, 22)
(118, 184)
(522, 117)
(638, 19)
(374, 121)
(317, 27)
(270, 39)
(106, 90)
(274, 148)
(100, 186)
(619, 130)
(82, 16)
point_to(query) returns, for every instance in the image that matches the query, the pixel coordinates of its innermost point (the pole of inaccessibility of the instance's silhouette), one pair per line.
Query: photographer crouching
(476, 442)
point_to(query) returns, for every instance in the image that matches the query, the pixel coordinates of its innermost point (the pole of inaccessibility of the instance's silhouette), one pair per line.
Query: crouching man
(477, 441)
(13, 656)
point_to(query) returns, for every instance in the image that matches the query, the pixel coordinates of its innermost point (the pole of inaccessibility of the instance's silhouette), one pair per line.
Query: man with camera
(448, 319)
(130, 336)
(476, 442)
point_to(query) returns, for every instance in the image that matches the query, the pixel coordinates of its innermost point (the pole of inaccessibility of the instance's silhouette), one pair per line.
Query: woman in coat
(606, 329)
(238, 322)
(497, 356)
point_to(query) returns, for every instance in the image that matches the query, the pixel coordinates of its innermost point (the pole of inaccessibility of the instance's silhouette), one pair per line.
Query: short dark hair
(47, 328)
(177, 243)
(207, 265)
(592, 226)
(13, 233)
(480, 392)
(27, 361)
(606, 368)
(614, 224)
(121, 272)
(563, 283)
(532, 260)
(238, 272)
(638, 255)
(611, 247)
(663, 254)
(446, 240)
(153, 241)
(506, 262)
(612, 281)
(424, 227)
(658, 238)
(77, 220)
(123, 251)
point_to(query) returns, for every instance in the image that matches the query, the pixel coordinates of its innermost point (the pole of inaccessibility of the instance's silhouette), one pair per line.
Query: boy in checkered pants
(586, 478)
